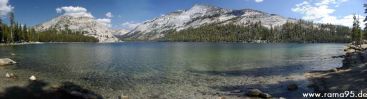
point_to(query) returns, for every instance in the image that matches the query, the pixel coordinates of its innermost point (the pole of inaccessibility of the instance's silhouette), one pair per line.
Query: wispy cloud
(77, 11)
(109, 15)
(322, 11)
(129, 25)
(259, 1)
(5, 7)
(105, 21)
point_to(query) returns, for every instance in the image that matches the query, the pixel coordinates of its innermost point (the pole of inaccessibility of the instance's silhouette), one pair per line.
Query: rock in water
(364, 46)
(123, 97)
(10, 75)
(350, 51)
(7, 75)
(221, 97)
(6, 61)
(333, 70)
(253, 92)
(265, 95)
(32, 78)
(292, 87)
(236, 91)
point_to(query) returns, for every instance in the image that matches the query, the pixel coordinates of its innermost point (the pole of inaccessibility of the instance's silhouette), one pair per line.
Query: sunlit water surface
(172, 70)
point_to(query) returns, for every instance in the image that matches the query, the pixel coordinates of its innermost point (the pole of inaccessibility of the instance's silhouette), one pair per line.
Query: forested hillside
(300, 31)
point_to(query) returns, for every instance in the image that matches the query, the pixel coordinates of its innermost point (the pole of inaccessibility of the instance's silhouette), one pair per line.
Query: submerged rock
(6, 61)
(38, 90)
(333, 70)
(123, 97)
(340, 56)
(253, 92)
(221, 97)
(236, 91)
(265, 95)
(292, 87)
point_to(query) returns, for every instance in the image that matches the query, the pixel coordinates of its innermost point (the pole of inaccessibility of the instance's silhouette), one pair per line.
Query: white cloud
(104, 21)
(129, 25)
(77, 11)
(314, 11)
(346, 20)
(74, 11)
(258, 1)
(109, 15)
(322, 11)
(5, 8)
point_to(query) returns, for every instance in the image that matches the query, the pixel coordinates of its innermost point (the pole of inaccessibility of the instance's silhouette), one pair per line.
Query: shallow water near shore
(170, 69)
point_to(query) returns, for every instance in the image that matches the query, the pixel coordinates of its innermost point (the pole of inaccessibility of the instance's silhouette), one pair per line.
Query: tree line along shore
(292, 32)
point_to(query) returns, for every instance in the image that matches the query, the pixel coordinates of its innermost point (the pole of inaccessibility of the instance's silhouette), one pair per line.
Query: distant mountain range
(194, 17)
(200, 15)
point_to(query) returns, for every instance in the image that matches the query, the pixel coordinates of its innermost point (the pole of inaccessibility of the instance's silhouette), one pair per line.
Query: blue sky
(127, 13)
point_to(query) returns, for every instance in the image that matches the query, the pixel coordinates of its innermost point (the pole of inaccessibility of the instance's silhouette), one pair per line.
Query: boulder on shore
(6, 61)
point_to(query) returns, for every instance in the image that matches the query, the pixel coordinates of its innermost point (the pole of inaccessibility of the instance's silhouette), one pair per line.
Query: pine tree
(1, 31)
(12, 26)
(365, 20)
(356, 31)
(25, 33)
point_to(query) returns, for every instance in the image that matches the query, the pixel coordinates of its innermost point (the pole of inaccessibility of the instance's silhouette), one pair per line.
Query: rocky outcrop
(89, 25)
(349, 77)
(6, 61)
(355, 55)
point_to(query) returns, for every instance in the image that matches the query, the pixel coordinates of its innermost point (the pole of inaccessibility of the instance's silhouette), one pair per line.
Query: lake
(172, 69)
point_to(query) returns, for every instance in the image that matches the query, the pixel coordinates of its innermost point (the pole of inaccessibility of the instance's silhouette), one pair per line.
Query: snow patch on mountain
(200, 15)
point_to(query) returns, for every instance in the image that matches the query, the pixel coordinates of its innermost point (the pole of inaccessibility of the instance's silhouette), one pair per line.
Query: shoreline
(339, 80)
(31, 43)
(23, 43)
(350, 77)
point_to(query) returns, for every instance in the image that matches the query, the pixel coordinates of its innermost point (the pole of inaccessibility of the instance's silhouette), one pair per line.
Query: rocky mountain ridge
(200, 15)
(84, 24)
